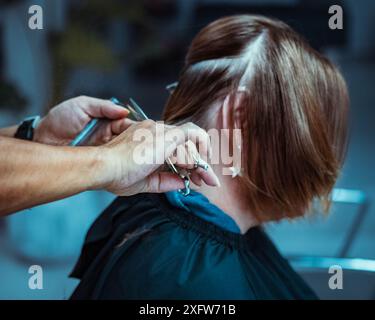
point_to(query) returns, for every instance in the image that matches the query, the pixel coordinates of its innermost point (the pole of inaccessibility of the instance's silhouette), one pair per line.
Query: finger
(185, 132)
(108, 130)
(101, 135)
(99, 108)
(160, 182)
(195, 178)
(209, 177)
(185, 155)
(119, 126)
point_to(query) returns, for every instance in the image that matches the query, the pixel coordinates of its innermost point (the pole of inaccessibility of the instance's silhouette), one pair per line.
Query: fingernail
(217, 181)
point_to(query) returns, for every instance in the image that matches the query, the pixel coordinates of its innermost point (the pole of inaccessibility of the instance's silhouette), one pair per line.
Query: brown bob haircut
(293, 114)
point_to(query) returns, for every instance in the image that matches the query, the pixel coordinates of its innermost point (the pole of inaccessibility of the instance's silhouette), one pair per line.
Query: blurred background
(134, 48)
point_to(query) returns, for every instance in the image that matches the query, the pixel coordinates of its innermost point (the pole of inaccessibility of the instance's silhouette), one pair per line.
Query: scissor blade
(134, 115)
(138, 109)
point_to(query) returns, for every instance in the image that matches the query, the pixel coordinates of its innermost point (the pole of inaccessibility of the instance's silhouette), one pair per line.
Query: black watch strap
(25, 130)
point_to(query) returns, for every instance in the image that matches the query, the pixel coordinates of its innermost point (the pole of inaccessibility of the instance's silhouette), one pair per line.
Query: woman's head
(256, 74)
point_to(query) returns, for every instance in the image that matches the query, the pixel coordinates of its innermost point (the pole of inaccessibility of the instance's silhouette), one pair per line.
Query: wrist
(99, 171)
(8, 132)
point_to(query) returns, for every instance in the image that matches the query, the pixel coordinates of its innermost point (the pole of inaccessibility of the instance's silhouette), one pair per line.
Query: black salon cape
(142, 247)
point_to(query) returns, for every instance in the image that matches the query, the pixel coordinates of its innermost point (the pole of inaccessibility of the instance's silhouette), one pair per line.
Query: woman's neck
(228, 198)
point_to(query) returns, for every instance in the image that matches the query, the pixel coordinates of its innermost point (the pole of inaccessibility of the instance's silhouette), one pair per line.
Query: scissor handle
(186, 191)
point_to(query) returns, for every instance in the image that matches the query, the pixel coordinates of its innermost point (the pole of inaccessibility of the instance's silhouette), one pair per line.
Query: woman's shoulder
(141, 247)
(124, 215)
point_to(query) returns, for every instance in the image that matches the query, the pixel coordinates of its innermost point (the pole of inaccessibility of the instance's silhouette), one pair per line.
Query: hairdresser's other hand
(63, 122)
(121, 173)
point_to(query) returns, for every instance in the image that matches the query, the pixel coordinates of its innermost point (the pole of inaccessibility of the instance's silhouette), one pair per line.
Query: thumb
(119, 126)
(160, 182)
(99, 108)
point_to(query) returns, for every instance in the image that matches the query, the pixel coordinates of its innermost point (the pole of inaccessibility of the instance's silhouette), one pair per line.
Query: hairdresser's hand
(63, 122)
(133, 165)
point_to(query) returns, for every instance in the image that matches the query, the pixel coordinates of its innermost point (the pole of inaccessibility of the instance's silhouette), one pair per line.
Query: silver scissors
(137, 114)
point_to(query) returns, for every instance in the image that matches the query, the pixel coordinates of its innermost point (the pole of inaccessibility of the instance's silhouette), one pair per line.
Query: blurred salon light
(348, 196)
(325, 263)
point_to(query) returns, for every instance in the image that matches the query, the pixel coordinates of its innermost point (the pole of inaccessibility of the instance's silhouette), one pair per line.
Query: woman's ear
(231, 111)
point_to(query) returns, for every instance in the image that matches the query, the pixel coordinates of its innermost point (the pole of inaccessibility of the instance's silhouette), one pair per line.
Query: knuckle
(190, 145)
(149, 123)
(191, 125)
(82, 101)
(82, 97)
